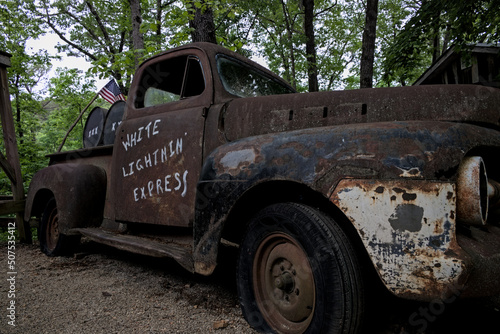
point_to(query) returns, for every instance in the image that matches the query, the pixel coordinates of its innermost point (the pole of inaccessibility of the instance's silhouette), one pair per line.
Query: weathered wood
(8, 207)
(12, 155)
(7, 168)
(5, 59)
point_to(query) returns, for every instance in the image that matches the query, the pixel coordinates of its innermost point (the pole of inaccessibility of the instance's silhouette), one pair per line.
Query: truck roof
(212, 50)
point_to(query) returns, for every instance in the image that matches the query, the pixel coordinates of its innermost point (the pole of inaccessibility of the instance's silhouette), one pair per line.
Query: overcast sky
(48, 42)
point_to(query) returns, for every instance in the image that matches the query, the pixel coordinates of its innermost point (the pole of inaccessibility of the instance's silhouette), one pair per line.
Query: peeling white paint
(407, 227)
(413, 172)
(234, 159)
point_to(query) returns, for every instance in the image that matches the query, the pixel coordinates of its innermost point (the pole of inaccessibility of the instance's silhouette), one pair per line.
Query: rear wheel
(298, 273)
(52, 241)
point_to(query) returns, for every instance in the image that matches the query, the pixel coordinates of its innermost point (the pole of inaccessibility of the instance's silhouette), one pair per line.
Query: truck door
(158, 148)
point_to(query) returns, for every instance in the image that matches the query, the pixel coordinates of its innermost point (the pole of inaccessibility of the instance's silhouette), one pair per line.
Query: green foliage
(5, 233)
(96, 30)
(69, 92)
(25, 73)
(458, 22)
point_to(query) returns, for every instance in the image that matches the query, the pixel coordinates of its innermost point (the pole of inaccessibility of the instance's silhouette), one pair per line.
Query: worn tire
(298, 273)
(53, 243)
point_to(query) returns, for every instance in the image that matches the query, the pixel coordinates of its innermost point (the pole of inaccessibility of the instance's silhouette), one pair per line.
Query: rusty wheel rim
(284, 284)
(52, 231)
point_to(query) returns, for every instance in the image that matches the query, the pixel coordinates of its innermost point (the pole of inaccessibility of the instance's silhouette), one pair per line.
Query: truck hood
(246, 117)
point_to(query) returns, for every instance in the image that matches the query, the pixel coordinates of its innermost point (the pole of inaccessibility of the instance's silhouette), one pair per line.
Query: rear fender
(79, 191)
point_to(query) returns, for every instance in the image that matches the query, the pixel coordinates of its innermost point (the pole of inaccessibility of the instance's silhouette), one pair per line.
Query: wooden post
(11, 161)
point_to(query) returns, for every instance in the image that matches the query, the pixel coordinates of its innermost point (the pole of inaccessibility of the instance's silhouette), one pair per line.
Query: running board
(140, 245)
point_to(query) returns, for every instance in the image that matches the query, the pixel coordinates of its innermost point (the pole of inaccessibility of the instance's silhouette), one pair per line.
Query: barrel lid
(93, 130)
(113, 120)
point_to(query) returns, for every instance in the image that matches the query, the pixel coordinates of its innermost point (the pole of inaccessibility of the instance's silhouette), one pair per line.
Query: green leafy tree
(26, 71)
(100, 31)
(434, 25)
(70, 92)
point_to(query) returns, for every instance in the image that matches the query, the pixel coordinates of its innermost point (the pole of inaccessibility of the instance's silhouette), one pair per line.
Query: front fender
(79, 191)
(320, 158)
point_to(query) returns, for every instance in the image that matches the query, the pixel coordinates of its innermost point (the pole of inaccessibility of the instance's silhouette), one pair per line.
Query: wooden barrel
(93, 131)
(113, 120)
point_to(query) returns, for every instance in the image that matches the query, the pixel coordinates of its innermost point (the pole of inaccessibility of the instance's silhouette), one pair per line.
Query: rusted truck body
(317, 190)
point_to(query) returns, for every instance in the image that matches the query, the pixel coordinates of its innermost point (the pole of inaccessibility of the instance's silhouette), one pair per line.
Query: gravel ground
(102, 290)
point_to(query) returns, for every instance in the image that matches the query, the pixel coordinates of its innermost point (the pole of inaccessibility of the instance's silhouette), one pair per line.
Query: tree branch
(67, 41)
(90, 32)
(326, 9)
(103, 29)
(165, 5)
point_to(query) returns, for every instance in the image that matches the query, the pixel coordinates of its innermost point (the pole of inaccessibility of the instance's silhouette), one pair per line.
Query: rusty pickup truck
(319, 192)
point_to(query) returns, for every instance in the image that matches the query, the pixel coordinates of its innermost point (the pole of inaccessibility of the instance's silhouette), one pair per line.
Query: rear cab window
(170, 80)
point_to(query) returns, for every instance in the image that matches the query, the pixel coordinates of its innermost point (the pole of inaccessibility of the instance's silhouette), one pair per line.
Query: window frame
(204, 99)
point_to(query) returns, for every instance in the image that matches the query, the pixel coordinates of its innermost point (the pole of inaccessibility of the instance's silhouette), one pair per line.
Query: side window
(170, 80)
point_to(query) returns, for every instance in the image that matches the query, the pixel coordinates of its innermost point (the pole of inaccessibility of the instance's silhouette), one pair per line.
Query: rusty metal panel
(159, 145)
(268, 114)
(79, 191)
(409, 231)
(319, 158)
(156, 166)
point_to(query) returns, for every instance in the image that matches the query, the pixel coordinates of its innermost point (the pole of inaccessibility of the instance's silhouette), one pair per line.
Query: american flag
(111, 92)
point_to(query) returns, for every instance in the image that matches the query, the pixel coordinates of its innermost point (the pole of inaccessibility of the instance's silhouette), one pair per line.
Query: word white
(162, 185)
(93, 132)
(11, 265)
(137, 136)
(153, 159)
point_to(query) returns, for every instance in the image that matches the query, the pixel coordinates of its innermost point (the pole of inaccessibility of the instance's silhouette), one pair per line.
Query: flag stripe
(111, 92)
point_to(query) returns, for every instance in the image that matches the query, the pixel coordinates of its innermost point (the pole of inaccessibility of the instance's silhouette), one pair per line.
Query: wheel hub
(284, 284)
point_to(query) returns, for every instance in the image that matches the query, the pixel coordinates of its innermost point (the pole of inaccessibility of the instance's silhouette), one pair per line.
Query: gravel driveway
(102, 290)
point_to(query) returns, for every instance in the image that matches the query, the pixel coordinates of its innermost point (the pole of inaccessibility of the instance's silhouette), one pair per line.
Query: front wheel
(52, 241)
(298, 273)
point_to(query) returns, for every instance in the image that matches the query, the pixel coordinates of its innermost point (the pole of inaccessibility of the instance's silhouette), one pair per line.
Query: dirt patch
(103, 290)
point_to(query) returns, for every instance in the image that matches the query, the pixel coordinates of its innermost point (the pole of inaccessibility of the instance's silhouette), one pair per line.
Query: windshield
(244, 81)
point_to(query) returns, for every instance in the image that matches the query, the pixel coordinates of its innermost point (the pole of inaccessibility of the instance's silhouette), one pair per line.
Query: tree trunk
(436, 49)
(137, 37)
(312, 68)
(202, 23)
(159, 11)
(368, 47)
(289, 32)
(19, 127)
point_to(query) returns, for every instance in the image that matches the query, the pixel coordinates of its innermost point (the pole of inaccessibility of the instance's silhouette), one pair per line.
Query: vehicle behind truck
(320, 193)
